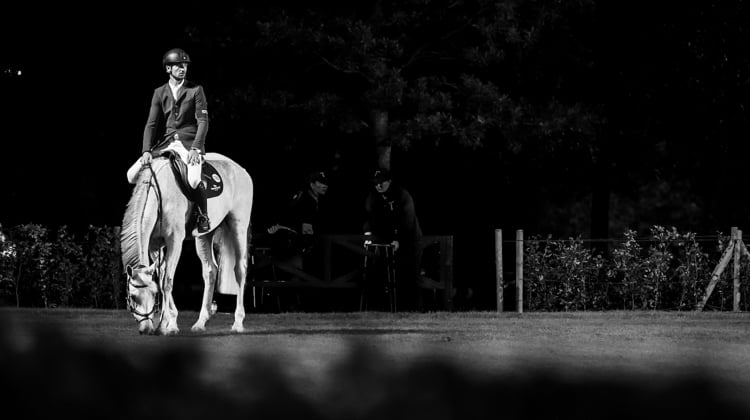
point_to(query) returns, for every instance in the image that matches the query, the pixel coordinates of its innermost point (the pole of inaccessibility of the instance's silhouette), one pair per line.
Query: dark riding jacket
(185, 118)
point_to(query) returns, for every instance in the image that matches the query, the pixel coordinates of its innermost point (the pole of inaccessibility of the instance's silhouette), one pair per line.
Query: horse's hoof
(170, 331)
(198, 328)
(238, 328)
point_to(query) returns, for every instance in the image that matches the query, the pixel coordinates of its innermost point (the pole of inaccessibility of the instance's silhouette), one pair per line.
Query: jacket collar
(180, 93)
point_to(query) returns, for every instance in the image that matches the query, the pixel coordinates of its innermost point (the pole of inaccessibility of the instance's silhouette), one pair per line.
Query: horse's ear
(129, 271)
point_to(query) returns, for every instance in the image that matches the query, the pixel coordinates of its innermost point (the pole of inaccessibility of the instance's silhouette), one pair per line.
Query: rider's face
(177, 71)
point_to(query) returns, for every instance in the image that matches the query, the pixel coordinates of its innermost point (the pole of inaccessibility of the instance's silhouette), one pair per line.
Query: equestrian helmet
(175, 56)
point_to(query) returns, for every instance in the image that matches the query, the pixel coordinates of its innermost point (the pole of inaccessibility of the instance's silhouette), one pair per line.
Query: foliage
(39, 268)
(578, 92)
(562, 273)
(64, 269)
(447, 74)
(102, 284)
(444, 72)
(28, 266)
(666, 271)
(8, 254)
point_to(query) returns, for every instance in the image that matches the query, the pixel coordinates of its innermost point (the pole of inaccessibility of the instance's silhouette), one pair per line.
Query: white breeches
(194, 170)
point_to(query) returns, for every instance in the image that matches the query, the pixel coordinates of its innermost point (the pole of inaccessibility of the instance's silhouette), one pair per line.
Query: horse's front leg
(169, 320)
(203, 246)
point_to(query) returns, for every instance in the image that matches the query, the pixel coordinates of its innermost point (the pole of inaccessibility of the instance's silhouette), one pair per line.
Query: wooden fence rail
(339, 263)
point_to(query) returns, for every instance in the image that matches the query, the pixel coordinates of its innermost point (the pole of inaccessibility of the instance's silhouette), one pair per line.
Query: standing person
(391, 218)
(302, 218)
(178, 120)
(299, 224)
(292, 237)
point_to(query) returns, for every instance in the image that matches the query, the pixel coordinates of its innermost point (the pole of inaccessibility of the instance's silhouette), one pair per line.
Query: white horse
(154, 228)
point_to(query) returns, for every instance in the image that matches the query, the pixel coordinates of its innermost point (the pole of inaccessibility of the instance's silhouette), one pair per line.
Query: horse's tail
(224, 249)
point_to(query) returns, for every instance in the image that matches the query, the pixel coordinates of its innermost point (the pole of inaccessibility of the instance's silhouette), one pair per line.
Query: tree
(445, 79)
(672, 82)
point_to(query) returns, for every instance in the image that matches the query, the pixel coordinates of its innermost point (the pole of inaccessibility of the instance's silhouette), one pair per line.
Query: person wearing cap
(391, 218)
(178, 120)
(302, 219)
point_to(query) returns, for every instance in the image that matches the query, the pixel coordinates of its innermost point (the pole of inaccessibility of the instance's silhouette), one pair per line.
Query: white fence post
(499, 280)
(519, 271)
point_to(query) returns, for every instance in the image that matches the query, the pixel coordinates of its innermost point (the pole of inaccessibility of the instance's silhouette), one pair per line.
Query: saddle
(210, 177)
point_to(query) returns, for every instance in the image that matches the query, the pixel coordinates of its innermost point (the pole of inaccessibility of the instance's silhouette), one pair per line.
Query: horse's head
(143, 297)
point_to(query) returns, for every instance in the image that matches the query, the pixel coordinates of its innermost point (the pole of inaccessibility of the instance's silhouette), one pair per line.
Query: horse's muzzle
(146, 326)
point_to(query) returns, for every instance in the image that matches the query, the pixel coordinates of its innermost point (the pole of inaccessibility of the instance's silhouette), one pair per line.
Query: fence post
(716, 275)
(736, 238)
(499, 281)
(446, 271)
(519, 271)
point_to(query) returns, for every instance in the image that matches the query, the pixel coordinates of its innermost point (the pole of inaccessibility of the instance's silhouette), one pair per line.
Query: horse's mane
(130, 235)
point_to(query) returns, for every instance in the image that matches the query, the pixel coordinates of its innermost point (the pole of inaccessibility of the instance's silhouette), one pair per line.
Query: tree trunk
(382, 141)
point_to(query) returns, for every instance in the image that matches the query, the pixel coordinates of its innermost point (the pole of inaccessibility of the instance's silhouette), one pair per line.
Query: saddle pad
(210, 177)
(212, 180)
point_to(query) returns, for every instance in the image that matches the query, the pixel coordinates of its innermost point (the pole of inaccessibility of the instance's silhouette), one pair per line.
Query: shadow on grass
(44, 375)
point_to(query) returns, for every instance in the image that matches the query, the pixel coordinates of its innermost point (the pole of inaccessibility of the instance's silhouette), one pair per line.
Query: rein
(160, 297)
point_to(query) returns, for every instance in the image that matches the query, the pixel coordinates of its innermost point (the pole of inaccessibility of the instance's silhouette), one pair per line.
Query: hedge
(667, 270)
(44, 268)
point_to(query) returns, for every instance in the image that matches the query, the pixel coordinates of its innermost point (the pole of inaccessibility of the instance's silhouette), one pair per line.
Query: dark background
(665, 85)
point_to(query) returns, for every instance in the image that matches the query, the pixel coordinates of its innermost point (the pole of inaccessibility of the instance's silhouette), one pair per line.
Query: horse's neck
(156, 211)
(172, 205)
(148, 223)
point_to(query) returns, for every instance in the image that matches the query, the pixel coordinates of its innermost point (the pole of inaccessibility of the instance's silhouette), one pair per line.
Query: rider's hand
(368, 241)
(273, 229)
(395, 245)
(194, 157)
(146, 158)
(307, 229)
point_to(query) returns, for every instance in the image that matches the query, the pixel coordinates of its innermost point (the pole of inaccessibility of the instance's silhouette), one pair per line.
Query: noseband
(156, 307)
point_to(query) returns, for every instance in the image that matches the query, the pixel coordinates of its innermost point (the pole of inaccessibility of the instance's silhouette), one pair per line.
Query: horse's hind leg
(236, 234)
(240, 273)
(203, 247)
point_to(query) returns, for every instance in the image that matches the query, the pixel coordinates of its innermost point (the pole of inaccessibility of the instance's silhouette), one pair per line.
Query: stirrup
(204, 225)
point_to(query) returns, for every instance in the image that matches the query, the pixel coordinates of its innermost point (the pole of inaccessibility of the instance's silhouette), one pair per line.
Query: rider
(178, 120)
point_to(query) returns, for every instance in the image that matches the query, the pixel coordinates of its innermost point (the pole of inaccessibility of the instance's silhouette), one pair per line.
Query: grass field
(382, 365)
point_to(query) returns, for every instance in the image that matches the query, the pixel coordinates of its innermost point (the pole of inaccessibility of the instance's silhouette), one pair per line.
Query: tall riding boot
(202, 217)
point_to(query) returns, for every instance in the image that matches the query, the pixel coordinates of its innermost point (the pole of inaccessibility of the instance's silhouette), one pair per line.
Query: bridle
(156, 307)
(159, 298)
